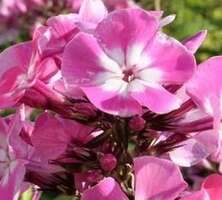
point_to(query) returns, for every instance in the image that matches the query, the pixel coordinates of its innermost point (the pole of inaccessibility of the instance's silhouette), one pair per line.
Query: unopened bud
(137, 123)
(108, 162)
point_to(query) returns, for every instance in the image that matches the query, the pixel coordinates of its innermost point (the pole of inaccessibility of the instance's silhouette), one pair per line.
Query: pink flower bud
(137, 123)
(108, 162)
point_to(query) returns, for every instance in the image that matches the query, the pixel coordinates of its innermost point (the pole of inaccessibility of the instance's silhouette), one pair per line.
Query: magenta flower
(120, 72)
(13, 155)
(205, 90)
(154, 179)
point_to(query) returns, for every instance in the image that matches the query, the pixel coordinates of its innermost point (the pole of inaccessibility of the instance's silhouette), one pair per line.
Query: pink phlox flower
(121, 72)
(13, 157)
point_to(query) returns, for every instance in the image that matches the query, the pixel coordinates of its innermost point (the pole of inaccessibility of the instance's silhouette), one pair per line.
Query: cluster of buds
(107, 106)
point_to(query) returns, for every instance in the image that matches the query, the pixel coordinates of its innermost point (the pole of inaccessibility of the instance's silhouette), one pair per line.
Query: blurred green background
(192, 16)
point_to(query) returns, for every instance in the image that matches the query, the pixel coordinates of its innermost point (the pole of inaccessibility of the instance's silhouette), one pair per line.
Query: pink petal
(19, 143)
(11, 182)
(200, 195)
(15, 56)
(194, 150)
(205, 89)
(10, 90)
(14, 62)
(92, 11)
(115, 101)
(63, 24)
(213, 185)
(106, 189)
(85, 63)
(139, 25)
(157, 179)
(47, 69)
(49, 137)
(205, 86)
(46, 41)
(67, 90)
(75, 131)
(170, 57)
(20, 147)
(154, 97)
(119, 4)
(193, 43)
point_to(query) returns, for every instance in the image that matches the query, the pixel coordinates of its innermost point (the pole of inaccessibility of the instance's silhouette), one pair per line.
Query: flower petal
(213, 185)
(11, 182)
(63, 24)
(14, 62)
(85, 63)
(139, 25)
(15, 56)
(193, 43)
(199, 195)
(157, 179)
(154, 97)
(205, 87)
(170, 57)
(106, 189)
(112, 97)
(92, 11)
(49, 137)
(194, 150)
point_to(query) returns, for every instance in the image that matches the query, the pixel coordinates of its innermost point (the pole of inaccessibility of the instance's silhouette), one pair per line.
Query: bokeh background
(191, 17)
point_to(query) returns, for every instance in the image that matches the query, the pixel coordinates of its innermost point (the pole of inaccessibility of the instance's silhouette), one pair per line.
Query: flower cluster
(107, 106)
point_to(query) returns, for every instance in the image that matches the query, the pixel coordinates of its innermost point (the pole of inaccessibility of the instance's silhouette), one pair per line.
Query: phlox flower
(21, 67)
(126, 63)
(205, 90)
(13, 157)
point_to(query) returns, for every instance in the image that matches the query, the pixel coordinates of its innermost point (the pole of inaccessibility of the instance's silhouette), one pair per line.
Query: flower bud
(108, 162)
(137, 123)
